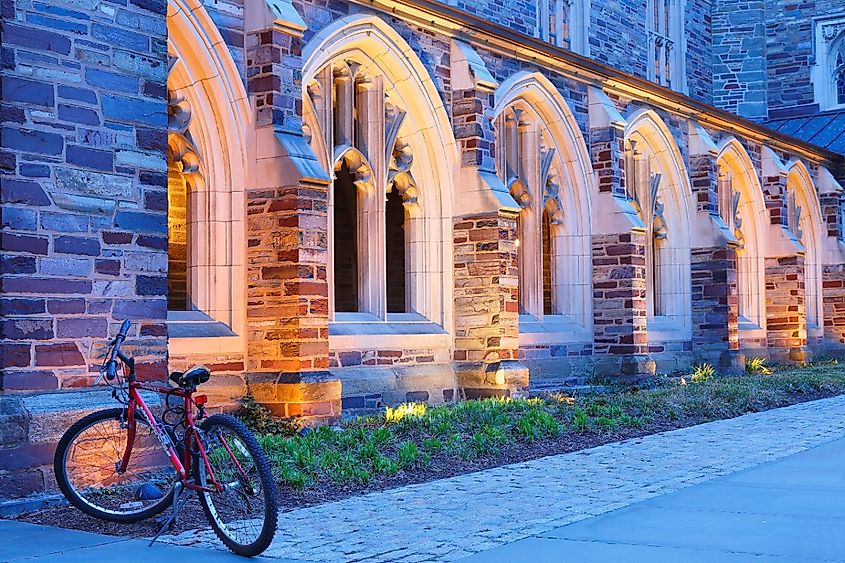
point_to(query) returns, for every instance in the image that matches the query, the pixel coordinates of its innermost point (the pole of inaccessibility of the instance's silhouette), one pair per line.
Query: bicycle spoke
(91, 468)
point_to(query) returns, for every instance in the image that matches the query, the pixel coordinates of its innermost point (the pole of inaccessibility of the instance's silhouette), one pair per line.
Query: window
(564, 23)
(530, 168)
(665, 31)
(643, 187)
(730, 212)
(183, 175)
(372, 192)
(828, 72)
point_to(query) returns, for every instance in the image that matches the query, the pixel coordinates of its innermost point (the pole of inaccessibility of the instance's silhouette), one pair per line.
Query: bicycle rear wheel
(245, 512)
(86, 463)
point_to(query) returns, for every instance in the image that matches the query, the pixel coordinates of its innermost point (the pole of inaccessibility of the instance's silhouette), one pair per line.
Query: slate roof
(825, 130)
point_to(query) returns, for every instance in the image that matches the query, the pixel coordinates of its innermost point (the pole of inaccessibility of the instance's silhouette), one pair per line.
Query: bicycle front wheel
(87, 460)
(244, 511)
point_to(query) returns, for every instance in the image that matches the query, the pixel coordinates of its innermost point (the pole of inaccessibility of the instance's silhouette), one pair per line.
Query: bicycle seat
(191, 378)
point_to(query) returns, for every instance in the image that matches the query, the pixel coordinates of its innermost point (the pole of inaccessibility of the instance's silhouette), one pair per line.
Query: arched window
(741, 208)
(373, 186)
(803, 219)
(183, 173)
(658, 188)
(828, 72)
(665, 31)
(530, 167)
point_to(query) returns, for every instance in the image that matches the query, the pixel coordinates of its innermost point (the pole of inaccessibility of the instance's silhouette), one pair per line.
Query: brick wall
(83, 188)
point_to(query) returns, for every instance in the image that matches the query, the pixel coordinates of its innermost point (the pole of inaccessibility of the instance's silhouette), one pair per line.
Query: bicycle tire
(82, 501)
(209, 501)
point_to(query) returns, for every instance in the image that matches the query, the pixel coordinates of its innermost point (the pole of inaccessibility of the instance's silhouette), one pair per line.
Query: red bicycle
(126, 464)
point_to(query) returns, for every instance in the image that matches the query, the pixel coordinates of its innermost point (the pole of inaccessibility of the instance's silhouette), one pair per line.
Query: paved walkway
(788, 510)
(559, 508)
(454, 518)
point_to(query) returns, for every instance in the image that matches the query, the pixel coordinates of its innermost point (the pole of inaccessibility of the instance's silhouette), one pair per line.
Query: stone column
(786, 320)
(287, 222)
(715, 302)
(486, 306)
(486, 259)
(620, 340)
(833, 272)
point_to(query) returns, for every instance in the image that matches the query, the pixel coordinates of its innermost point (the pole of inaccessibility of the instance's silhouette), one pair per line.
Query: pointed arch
(204, 75)
(409, 146)
(751, 221)
(568, 184)
(809, 232)
(668, 216)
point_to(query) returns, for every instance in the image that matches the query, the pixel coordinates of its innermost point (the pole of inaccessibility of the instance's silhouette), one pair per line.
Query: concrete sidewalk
(788, 510)
(21, 542)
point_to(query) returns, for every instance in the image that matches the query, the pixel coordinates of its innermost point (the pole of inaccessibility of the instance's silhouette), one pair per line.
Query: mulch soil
(441, 467)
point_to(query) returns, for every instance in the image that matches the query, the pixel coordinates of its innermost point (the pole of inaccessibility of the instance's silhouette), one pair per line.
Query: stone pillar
(486, 306)
(620, 340)
(786, 320)
(715, 305)
(833, 272)
(287, 222)
(486, 260)
(715, 302)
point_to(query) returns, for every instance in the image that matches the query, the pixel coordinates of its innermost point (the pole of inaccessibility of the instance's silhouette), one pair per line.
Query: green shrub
(757, 366)
(702, 372)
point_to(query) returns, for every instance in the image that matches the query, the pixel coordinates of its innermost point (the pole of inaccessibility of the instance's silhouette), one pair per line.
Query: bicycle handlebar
(111, 364)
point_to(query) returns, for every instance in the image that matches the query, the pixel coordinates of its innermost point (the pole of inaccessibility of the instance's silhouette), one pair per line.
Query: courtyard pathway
(461, 516)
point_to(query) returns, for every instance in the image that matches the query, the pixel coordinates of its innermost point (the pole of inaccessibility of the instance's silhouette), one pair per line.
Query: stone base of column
(624, 368)
(506, 378)
(786, 323)
(312, 398)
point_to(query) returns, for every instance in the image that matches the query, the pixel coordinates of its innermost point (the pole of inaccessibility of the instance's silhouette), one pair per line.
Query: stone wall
(739, 57)
(84, 189)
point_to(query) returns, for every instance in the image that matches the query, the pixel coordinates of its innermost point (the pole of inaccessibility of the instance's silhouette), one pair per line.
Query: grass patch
(414, 437)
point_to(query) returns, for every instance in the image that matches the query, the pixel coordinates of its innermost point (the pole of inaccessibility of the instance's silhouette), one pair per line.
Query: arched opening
(177, 237)
(365, 95)
(805, 222)
(548, 252)
(346, 277)
(744, 213)
(208, 115)
(542, 158)
(658, 188)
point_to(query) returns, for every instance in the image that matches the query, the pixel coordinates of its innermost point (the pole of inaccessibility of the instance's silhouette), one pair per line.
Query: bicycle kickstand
(178, 503)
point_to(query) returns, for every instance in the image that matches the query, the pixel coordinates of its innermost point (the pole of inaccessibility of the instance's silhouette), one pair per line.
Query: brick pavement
(452, 518)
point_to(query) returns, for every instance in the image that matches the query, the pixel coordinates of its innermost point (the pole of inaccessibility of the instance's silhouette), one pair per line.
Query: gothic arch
(749, 211)
(671, 275)
(206, 77)
(568, 203)
(376, 49)
(809, 232)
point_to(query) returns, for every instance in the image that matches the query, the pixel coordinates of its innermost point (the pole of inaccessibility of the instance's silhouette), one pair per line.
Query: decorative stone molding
(828, 70)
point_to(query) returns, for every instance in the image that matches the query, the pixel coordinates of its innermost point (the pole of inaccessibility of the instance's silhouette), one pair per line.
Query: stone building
(346, 203)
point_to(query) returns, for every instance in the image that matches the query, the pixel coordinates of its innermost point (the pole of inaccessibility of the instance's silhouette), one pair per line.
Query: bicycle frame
(182, 466)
